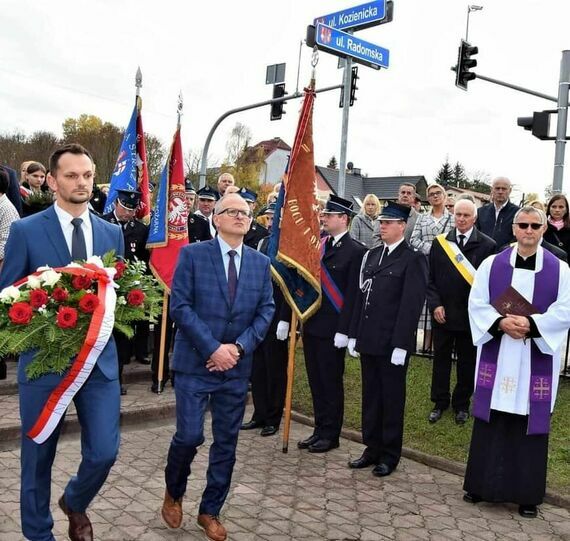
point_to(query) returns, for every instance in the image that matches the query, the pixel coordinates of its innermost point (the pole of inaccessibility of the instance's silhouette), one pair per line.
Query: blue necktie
(78, 248)
(232, 276)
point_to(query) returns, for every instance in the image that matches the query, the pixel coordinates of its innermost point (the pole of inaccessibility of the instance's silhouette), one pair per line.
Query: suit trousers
(383, 403)
(226, 398)
(269, 380)
(97, 405)
(325, 371)
(443, 342)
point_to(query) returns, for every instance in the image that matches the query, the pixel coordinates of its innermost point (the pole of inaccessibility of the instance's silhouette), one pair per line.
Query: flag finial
(138, 80)
(180, 106)
(314, 62)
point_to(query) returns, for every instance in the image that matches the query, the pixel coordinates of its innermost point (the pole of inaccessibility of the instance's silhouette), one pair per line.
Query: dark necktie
(329, 244)
(232, 276)
(385, 254)
(461, 241)
(78, 248)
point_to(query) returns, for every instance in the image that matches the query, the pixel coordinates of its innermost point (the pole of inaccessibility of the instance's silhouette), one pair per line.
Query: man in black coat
(135, 234)
(453, 260)
(256, 231)
(325, 334)
(495, 219)
(198, 226)
(393, 280)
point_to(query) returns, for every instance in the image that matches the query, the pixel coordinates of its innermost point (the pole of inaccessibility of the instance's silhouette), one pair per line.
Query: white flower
(34, 282)
(95, 260)
(50, 277)
(121, 300)
(42, 309)
(74, 265)
(9, 294)
(44, 268)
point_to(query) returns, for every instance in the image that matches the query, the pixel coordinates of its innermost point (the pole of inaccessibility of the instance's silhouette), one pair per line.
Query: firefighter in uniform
(256, 230)
(198, 227)
(325, 334)
(135, 234)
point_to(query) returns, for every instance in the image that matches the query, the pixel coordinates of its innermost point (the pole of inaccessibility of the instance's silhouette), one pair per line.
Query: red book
(512, 302)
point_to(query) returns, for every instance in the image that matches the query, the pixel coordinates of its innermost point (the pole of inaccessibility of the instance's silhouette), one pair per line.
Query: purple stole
(540, 390)
(330, 289)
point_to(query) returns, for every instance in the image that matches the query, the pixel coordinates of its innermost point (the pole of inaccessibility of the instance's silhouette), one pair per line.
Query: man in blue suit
(222, 304)
(55, 237)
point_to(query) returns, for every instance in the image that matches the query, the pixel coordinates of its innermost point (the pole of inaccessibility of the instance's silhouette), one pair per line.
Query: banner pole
(161, 352)
(290, 374)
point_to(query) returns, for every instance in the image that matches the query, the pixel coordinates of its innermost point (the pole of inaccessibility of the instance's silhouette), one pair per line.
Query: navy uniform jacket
(343, 263)
(255, 234)
(500, 230)
(198, 228)
(135, 234)
(388, 317)
(200, 307)
(447, 287)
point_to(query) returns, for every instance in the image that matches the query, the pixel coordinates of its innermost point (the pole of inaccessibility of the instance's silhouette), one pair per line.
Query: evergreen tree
(460, 179)
(332, 163)
(445, 174)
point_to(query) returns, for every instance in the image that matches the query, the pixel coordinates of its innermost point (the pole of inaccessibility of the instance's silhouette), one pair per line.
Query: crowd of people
(446, 268)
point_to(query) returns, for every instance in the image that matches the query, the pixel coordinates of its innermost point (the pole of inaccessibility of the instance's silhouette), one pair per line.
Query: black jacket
(559, 238)
(254, 235)
(135, 234)
(198, 228)
(446, 286)
(343, 263)
(387, 316)
(501, 230)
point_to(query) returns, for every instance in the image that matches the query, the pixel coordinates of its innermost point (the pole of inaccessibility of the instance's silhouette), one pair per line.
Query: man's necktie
(232, 276)
(385, 254)
(329, 244)
(78, 248)
(461, 241)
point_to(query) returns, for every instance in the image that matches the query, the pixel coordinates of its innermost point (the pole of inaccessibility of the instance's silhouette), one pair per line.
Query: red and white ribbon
(98, 334)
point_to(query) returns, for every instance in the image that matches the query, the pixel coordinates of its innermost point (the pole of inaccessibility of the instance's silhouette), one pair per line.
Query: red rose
(59, 294)
(66, 317)
(88, 303)
(120, 267)
(38, 297)
(135, 297)
(20, 313)
(81, 282)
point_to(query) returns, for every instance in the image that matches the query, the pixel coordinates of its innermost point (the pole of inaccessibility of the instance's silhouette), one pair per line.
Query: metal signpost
(332, 34)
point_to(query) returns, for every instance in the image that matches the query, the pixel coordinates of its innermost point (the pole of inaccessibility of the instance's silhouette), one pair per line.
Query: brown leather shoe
(172, 511)
(212, 527)
(80, 528)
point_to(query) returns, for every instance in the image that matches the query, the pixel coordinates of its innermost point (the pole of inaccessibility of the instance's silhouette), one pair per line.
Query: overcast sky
(63, 58)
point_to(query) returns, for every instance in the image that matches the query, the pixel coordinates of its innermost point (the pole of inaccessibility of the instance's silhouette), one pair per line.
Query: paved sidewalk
(278, 497)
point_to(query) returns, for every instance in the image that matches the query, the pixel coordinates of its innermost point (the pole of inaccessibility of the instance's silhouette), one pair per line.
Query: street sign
(356, 18)
(343, 44)
(275, 74)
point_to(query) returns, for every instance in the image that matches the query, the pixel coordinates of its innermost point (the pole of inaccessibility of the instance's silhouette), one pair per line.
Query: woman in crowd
(365, 224)
(36, 195)
(558, 231)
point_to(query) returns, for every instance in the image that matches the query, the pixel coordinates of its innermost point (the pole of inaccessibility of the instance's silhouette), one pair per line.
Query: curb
(439, 463)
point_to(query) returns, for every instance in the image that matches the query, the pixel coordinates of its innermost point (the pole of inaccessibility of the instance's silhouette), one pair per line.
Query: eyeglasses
(435, 194)
(524, 225)
(234, 213)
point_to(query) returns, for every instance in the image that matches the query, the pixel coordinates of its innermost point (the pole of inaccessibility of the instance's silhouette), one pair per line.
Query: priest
(519, 311)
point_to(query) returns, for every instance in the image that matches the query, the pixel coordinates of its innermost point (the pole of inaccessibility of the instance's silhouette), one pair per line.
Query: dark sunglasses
(524, 225)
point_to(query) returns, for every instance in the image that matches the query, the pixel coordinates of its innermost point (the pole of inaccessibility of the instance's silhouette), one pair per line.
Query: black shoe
(3, 369)
(435, 415)
(154, 388)
(304, 444)
(461, 417)
(528, 511)
(472, 498)
(322, 446)
(269, 430)
(382, 470)
(144, 360)
(251, 425)
(363, 462)
(123, 390)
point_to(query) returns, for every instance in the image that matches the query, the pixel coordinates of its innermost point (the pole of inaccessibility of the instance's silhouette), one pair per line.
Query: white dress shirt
(67, 227)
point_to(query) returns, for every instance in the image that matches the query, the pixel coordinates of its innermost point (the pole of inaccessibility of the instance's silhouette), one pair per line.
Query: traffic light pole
(295, 95)
(344, 130)
(560, 145)
(514, 87)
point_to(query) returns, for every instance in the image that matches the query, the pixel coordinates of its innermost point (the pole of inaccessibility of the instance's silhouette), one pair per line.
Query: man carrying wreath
(65, 232)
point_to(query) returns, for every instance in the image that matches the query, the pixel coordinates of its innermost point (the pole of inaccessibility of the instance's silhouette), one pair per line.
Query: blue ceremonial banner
(158, 227)
(126, 174)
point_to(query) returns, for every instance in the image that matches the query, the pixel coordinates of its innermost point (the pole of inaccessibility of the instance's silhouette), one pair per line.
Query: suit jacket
(343, 263)
(387, 317)
(500, 230)
(198, 228)
(38, 240)
(446, 286)
(200, 307)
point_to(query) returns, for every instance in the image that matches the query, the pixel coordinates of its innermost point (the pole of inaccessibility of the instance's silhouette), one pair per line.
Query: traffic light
(538, 124)
(353, 88)
(464, 64)
(277, 108)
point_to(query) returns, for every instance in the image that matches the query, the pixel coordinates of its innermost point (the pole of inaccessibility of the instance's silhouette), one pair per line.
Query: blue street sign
(356, 18)
(344, 44)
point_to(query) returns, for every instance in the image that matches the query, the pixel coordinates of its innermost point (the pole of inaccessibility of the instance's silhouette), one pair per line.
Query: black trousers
(325, 371)
(383, 403)
(140, 340)
(443, 342)
(124, 347)
(269, 380)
